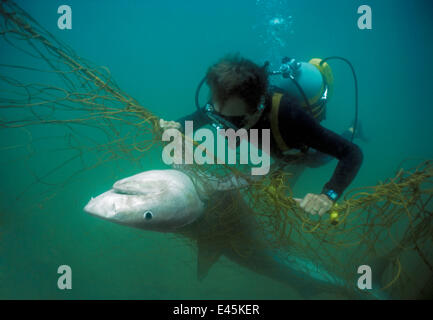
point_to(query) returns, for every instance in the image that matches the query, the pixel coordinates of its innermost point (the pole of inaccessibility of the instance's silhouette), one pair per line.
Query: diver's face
(234, 106)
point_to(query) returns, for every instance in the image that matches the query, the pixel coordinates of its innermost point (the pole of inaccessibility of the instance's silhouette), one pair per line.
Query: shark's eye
(148, 215)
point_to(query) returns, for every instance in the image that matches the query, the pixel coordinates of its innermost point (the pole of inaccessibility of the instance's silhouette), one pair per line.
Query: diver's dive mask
(219, 121)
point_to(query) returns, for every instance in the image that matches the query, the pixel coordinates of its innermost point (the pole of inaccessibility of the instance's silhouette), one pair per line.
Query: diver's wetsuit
(300, 130)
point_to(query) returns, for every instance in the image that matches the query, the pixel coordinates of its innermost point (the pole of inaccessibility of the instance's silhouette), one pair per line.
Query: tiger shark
(170, 201)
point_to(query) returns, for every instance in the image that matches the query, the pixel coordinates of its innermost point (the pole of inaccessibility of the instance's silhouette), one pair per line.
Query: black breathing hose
(197, 93)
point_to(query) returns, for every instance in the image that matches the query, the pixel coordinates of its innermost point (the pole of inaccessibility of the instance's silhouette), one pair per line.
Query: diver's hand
(169, 124)
(315, 203)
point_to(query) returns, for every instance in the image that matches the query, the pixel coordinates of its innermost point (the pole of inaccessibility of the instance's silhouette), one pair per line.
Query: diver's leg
(359, 134)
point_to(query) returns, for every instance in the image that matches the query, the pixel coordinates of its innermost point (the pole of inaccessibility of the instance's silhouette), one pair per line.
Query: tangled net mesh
(92, 115)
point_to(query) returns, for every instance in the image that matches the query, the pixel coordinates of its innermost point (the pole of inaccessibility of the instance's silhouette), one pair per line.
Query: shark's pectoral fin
(208, 254)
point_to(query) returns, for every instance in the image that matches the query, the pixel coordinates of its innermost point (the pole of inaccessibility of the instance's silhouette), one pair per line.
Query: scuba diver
(241, 97)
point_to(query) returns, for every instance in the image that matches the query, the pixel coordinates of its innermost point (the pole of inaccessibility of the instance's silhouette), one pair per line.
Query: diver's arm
(304, 129)
(208, 180)
(198, 118)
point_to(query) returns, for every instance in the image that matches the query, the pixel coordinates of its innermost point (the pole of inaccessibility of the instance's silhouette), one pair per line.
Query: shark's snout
(159, 200)
(103, 206)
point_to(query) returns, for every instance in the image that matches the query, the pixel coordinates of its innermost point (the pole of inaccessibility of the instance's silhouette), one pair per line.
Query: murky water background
(158, 52)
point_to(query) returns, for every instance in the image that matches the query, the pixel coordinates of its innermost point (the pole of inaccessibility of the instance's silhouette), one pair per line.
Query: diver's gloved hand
(315, 203)
(169, 124)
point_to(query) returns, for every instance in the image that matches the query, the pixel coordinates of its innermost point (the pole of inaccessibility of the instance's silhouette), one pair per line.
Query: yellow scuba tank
(310, 83)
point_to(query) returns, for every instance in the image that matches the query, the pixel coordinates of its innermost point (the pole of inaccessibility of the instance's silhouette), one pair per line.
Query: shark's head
(158, 200)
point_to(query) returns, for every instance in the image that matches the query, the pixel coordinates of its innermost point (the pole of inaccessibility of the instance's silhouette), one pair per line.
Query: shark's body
(237, 235)
(177, 205)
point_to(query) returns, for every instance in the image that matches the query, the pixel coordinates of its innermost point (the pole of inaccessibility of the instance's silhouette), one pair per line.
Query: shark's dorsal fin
(208, 254)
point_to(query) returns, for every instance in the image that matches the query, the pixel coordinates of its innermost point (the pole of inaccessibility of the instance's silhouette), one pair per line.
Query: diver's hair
(237, 76)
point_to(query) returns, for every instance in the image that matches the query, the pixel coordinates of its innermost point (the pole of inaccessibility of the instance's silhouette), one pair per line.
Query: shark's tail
(310, 279)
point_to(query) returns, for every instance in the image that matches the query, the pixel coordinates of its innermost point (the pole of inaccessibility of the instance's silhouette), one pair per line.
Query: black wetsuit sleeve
(198, 118)
(298, 128)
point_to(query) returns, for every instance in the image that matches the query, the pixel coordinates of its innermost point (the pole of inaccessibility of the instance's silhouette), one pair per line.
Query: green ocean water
(158, 51)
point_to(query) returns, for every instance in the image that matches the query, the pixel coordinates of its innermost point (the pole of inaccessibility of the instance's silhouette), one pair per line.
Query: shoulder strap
(276, 100)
